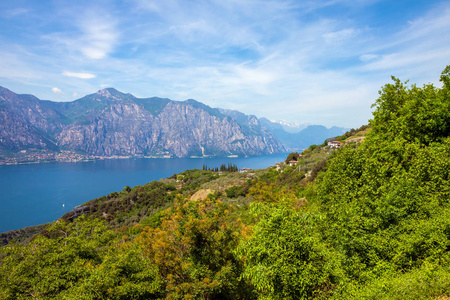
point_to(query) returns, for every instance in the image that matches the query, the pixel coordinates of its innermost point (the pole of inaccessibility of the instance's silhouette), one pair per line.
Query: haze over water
(41, 193)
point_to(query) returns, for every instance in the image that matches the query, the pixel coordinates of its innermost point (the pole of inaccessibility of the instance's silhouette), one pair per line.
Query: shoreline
(6, 162)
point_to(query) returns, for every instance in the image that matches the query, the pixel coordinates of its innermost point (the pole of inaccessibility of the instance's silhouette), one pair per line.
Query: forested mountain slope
(373, 224)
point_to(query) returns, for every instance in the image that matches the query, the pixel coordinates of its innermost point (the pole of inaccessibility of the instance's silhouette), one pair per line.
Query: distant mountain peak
(5, 91)
(192, 101)
(292, 127)
(292, 124)
(112, 93)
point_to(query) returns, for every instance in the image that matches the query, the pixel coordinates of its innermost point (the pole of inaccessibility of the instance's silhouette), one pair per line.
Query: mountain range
(295, 140)
(110, 123)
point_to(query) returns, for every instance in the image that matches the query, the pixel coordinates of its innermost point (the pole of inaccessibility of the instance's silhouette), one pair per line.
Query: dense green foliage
(292, 156)
(352, 132)
(20, 235)
(286, 259)
(222, 168)
(385, 204)
(368, 221)
(80, 260)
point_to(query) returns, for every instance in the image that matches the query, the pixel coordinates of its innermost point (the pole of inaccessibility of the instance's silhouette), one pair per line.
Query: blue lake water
(41, 193)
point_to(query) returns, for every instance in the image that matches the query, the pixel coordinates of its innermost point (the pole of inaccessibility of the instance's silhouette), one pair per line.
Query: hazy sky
(310, 61)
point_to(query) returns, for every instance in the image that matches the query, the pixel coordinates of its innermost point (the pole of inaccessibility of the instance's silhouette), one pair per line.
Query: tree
(415, 115)
(293, 156)
(82, 260)
(284, 258)
(194, 251)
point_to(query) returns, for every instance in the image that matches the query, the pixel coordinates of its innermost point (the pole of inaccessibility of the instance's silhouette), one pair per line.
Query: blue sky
(321, 62)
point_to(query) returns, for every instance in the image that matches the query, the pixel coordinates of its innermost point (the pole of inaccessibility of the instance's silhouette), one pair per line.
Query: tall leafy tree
(285, 258)
(194, 251)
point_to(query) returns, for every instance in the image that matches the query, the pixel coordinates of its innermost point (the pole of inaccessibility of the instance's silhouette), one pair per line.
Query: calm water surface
(41, 193)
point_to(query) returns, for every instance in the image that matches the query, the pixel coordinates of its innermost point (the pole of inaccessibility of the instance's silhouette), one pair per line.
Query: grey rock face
(111, 123)
(25, 123)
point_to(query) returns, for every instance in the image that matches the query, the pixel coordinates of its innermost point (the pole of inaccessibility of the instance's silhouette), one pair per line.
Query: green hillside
(370, 220)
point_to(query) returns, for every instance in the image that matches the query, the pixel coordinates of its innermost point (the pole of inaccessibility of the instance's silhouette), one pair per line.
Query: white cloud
(329, 63)
(93, 34)
(16, 12)
(78, 75)
(368, 57)
(200, 26)
(339, 36)
(99, 37)
(13, 65)
(432, 25)
(408, 59)
(56, 91)
(418, 52)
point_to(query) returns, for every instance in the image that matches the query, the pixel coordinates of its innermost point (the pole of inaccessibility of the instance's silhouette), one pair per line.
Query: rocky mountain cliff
(26, 123)
(110, 123)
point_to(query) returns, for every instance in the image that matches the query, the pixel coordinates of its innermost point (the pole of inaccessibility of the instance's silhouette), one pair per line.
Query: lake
(40, 193)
